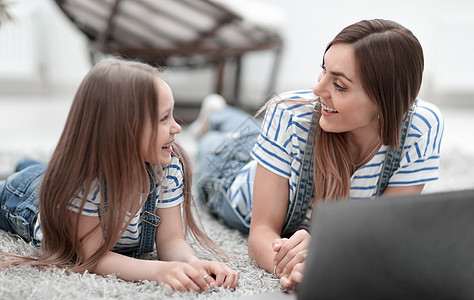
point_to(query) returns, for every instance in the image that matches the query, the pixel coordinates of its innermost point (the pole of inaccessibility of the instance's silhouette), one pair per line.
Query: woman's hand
(292, 281)
(217, 274)
(290, 252)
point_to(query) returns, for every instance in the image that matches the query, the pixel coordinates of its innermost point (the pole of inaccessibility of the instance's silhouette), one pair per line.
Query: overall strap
(394, 156)
(150, 221)
(304, 189)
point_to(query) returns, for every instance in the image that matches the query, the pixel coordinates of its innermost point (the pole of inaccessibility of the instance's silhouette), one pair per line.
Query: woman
(361, 132)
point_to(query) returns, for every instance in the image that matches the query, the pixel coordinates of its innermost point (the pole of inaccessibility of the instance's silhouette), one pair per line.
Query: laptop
(405, 247)
(398, 247)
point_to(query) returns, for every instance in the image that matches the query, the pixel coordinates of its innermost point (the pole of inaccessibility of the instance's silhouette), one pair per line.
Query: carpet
(29, 283)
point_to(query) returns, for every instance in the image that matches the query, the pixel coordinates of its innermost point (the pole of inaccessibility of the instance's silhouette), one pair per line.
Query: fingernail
(285, 270)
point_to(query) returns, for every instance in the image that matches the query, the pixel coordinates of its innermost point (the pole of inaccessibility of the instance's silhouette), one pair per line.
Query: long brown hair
(101, 144)
(389, 60)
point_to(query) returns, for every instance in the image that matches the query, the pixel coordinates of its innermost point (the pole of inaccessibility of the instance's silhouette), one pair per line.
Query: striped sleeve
(283, 133)
(172, 186)
(93, 199)
(420, 158)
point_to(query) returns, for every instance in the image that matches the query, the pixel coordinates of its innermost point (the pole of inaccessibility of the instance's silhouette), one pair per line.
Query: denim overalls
(19, 199)
(224, 155)
(19, 195)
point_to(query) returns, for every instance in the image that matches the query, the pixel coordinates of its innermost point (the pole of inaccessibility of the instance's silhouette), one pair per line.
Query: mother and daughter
(118, 184)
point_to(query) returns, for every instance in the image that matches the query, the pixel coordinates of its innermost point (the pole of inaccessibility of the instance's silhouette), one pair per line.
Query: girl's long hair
(100, 144)
(389, 60)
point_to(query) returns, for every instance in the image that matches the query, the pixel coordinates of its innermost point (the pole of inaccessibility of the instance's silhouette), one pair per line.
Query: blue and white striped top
(169, 194)
(282, 141)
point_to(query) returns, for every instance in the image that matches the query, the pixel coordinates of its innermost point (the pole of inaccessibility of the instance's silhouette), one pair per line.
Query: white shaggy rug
(29, 283)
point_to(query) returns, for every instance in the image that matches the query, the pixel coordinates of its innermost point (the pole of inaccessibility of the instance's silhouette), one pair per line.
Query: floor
(32, 125)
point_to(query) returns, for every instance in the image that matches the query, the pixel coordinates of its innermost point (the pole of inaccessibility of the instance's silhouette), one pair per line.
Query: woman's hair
(101, 144)
(389, 61)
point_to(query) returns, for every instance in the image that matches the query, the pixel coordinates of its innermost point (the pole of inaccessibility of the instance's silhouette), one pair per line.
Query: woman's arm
(403, 190)
(270, 203)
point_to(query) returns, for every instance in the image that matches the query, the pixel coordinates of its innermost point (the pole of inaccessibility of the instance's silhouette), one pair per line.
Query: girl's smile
(168, 147)
(158, 148)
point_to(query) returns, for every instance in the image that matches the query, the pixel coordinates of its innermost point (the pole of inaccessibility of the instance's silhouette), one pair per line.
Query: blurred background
(43, 58)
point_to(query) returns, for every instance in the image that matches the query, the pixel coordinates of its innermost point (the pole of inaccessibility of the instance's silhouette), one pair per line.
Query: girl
(115, 185)
(360, 133)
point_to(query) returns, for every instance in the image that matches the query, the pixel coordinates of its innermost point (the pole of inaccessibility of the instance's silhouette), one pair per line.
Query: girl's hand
(295, 277)
(290, 252)
(217, 274)
(181, 276)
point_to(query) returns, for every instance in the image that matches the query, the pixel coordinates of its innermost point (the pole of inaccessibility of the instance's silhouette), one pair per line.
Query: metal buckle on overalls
(153, 215)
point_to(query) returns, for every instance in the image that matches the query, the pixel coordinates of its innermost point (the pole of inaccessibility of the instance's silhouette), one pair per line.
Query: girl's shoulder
(174, 167)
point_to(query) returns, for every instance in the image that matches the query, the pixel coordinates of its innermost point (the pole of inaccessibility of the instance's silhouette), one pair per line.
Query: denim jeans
(19, 199)
(221, 153)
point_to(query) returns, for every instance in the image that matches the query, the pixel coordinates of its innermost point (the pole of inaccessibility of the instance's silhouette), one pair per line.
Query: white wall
(60, 58)
(445, 29)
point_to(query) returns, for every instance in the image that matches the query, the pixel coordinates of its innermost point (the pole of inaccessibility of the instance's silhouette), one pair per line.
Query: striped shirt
(282, 141)
(169, 194)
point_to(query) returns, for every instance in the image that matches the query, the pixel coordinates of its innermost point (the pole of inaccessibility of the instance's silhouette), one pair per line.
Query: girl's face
(345, 107)
(167, 128)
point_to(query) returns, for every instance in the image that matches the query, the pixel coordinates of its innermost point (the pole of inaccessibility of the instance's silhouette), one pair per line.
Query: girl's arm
(175, 275)
(171, 246)
(170, 243)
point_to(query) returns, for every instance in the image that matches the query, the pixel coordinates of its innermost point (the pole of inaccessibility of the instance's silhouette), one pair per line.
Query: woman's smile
(328, 111)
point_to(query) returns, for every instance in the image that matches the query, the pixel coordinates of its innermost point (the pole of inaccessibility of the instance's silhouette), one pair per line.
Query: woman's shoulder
(428, 114)
(305, 95)
(426, 131)
(292, 104)
(290, 98)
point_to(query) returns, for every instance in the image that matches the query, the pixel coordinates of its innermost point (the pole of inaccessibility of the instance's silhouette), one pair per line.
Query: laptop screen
(405, 247)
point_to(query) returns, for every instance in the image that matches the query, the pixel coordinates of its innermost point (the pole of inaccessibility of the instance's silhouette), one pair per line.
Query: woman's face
(167, 128)
(345, 107)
